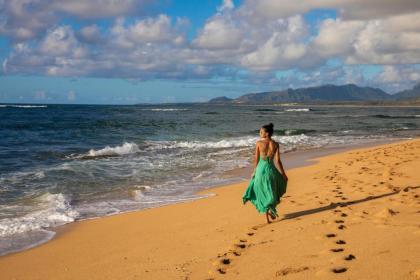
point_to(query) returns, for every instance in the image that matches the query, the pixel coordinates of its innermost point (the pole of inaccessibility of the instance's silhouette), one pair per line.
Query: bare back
(267, 149)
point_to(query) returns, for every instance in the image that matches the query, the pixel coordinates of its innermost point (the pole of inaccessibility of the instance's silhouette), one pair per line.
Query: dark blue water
(60, 163)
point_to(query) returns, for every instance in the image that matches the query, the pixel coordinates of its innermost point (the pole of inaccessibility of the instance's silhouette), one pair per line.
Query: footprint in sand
(242, 246)
(290, 270)
(224, 261)
(337, 250)
(339, 269)
(349, 257)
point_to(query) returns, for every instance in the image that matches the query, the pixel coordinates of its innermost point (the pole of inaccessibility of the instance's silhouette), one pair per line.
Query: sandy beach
(352, 215)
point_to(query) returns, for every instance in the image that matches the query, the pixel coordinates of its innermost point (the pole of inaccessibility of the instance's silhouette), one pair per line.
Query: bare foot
(266, 216)
(272, 215)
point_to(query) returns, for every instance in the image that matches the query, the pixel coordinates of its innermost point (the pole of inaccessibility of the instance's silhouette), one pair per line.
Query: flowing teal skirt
(266, 187)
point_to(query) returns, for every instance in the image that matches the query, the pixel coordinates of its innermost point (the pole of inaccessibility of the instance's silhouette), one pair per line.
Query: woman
(268, 181)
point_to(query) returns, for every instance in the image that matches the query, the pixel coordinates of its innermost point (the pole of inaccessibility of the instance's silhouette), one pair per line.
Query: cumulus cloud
(25, 19)
(95, 8)
(283, 49)
(90, 34)
(398, 77)
(226, 5)
(393, 40)
(219, 33)
(62, 42)
(258, 38)
(336, 37)
(347, 9)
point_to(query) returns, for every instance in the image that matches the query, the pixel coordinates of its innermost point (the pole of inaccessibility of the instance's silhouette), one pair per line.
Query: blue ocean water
(60, 163)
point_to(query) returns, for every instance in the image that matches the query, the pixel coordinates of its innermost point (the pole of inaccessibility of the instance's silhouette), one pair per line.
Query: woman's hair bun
(269, 128)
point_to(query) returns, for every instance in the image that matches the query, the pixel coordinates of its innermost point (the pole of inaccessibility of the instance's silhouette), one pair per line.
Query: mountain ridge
(323, 93)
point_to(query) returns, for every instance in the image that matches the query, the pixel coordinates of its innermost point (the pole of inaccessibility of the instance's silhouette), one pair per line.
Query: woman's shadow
(332, 206)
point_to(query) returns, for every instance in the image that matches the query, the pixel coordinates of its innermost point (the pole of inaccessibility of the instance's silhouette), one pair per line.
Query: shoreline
(291, 160)
(184, 240)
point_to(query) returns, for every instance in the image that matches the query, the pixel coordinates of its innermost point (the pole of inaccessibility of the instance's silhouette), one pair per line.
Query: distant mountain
(413, 93)
(222, 99)
(324, 93)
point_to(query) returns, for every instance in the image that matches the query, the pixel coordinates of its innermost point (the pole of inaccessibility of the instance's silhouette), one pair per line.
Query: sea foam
(124, 149)
(298, 110)
(53, 210)
(22, 106)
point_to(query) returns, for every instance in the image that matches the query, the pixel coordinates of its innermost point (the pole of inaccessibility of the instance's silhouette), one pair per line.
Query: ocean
(62, 163)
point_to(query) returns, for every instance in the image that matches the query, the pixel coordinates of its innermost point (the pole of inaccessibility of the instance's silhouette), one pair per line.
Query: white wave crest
(165, 109)
(22, 106)
(124, 149)
(298, 110)
(54, 210)
(243, 142)
(225, 143)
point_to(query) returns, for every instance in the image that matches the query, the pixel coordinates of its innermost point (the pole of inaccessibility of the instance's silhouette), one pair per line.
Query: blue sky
(128, 52)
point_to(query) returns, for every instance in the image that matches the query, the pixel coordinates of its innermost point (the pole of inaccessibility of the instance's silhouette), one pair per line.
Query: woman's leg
(266, 216)
(272, 215)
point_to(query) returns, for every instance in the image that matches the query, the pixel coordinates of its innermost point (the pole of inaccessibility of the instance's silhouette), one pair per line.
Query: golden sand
(353, 215)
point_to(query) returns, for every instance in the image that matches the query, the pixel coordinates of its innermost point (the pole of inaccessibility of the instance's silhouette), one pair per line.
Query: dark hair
(269, 128)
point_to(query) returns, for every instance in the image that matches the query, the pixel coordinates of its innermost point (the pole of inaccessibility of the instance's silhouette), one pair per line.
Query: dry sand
(353, 215)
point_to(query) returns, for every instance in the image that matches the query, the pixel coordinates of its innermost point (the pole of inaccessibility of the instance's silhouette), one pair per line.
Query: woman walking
(269, 180)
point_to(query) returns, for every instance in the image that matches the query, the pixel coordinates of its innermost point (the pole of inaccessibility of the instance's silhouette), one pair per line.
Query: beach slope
(352, 215)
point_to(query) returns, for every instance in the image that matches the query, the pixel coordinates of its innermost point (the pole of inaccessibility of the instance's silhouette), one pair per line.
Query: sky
(149, 51)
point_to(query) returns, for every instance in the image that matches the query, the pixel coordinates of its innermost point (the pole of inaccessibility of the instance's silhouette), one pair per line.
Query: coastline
(184, 256)
(292, 159)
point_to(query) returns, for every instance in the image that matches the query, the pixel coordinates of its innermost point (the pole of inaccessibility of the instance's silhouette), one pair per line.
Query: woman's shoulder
(275, 143)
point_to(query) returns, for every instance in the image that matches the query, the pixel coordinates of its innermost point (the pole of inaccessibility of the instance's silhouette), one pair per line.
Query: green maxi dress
(266, 187)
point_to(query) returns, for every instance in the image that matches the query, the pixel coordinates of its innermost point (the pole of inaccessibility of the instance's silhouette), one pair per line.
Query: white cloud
(219, 33)
(95, 8)
(226, 5)
(90, 34)
(26, 19)
(347, 9)
(258, 37)
(151, 30)
(336, 37)
(398, 77)
(393, 40)
(283, 49)
(62, 42)
(158, 30)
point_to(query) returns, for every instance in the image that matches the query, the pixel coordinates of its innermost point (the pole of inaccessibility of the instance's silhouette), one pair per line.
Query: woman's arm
(283, 173)
(256, 157)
